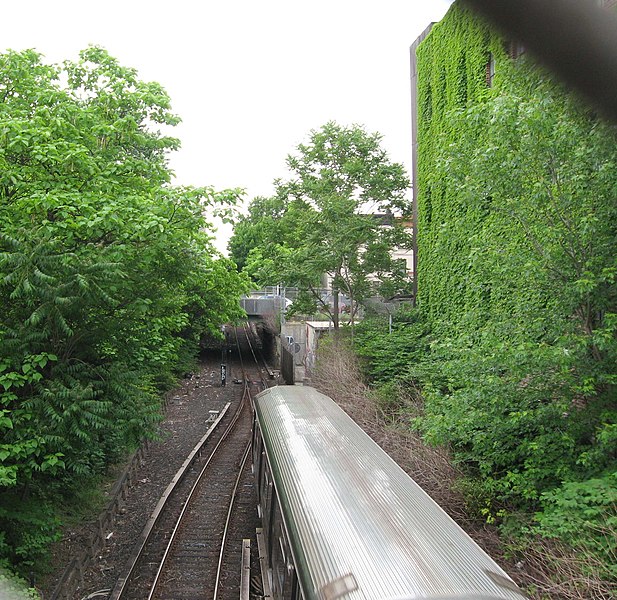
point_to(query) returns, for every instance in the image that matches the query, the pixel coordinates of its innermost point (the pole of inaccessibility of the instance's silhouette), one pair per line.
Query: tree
(108, 277)
(327, 219)
(262, 224)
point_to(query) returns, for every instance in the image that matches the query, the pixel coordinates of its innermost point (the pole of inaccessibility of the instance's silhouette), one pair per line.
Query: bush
(514, 415)
(388, 355)
(583, 514)
(108, 277)
(14, 588)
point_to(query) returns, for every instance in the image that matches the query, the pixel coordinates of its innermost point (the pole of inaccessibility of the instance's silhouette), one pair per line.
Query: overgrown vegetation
(14, 588)
(339, 375)
(514, 341)
(108, 279)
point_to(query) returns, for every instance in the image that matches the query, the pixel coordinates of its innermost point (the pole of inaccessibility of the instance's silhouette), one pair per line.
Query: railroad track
(266, 375)
(192, 544)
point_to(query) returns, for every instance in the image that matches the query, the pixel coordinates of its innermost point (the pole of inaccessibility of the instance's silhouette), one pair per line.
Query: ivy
(451, 77)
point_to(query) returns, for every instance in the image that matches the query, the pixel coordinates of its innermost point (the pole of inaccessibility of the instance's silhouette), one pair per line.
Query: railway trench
(190, 405)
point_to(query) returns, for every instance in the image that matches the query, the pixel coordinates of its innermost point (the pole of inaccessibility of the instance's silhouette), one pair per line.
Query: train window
(296, 594)
(291, 583)
(266, 500)
(258, 461)
(283, 572)
(257, 448)
(264, 481)
(261, 469)
(272, 515)
(283, 551)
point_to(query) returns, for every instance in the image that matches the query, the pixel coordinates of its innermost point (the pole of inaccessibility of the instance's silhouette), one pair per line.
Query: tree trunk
(352, 314)
(335, 311)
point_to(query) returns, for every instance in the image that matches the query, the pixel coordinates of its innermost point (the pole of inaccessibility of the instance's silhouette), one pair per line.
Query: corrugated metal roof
(356, 519)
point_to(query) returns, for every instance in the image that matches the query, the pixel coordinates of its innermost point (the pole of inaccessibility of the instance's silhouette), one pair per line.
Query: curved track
(191, 547)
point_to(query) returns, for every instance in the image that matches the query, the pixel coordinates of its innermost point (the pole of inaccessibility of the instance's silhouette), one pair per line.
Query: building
(455, 64)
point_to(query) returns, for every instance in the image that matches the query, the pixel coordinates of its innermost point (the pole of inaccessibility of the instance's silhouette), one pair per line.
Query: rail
(188, 500)
(227, 522)
(122, 581)
(162, 555)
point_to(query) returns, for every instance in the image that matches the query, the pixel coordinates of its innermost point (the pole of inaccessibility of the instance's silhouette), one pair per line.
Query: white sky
(249, 79)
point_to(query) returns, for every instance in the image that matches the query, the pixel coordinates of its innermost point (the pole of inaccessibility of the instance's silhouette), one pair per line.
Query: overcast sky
(249, 79)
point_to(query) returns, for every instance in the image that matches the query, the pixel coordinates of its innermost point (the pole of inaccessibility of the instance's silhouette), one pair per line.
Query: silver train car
(342, 520)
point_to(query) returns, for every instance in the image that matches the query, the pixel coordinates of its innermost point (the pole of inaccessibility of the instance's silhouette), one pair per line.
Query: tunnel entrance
(266, 340)
(263, 338)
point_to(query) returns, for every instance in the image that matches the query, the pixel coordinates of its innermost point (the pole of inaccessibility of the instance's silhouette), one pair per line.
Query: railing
(73, 576)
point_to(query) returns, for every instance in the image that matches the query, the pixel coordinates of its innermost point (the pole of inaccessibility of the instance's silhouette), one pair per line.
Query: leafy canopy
(327, 219)
(108, 277)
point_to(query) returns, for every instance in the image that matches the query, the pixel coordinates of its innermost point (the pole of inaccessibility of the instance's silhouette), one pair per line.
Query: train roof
(359, 526)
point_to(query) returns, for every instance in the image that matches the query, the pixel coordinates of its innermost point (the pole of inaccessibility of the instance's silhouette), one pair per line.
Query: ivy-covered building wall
(516, 223)
(454, 67)
(477, 257)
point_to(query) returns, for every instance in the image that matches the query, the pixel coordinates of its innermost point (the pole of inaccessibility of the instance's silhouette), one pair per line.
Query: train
(341, 520)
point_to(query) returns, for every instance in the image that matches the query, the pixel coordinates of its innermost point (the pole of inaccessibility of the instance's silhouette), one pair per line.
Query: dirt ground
(188, 406)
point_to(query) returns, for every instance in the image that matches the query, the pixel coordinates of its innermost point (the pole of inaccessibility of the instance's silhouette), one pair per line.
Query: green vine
(451, 76)
(517, 285)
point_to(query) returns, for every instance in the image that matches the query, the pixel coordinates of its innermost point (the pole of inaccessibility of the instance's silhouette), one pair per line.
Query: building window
(515, 49)
(490, 70)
